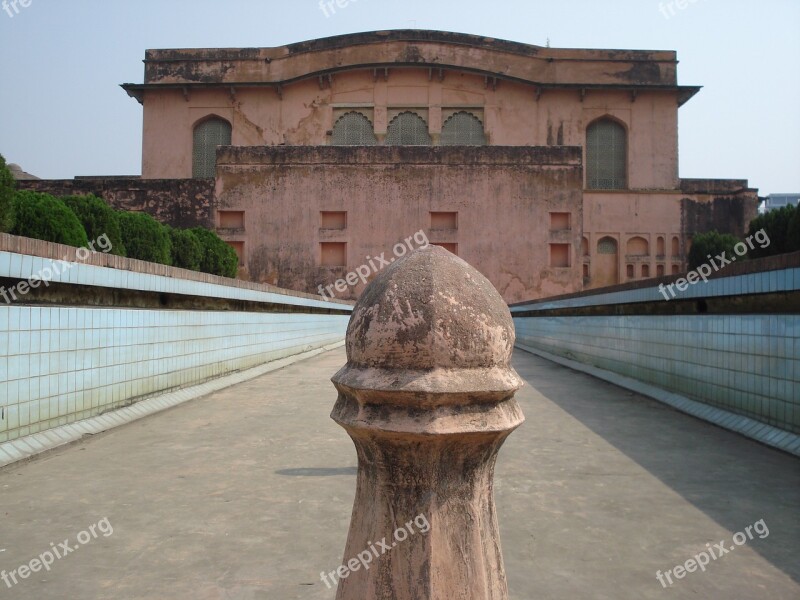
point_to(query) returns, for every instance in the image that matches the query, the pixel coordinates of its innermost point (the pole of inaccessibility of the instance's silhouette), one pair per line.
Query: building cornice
(438, 52)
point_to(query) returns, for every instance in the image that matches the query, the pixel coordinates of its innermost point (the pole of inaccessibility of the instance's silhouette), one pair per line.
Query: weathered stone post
(427, 396)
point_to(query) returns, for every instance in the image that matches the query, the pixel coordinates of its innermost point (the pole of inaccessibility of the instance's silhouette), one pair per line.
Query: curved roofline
(414, 35)
(449, 37)
(403, 35)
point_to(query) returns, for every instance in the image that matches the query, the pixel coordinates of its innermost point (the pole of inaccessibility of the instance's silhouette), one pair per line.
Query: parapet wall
(176, 202)
(727, 350)
(497, 202)
(106, 332)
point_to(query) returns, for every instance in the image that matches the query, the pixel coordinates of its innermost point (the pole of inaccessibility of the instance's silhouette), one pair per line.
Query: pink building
(549, 170)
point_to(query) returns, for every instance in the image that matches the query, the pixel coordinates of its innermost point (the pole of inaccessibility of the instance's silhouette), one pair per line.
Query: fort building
(549, 170)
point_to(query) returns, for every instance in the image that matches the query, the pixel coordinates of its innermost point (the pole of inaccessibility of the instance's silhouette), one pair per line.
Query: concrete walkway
(246, 494)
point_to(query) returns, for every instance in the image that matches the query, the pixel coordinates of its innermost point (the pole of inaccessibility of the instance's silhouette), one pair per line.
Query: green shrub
(713, 243)
(44, 217)
(145, 238)
(779, 227)
(97, 218)
(7, 188)
(187, 250)
(793, 232)
(218, 257)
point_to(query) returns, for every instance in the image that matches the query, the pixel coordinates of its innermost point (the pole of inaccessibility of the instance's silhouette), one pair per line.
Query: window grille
(408, 129)
(463, 129)
(607, 246)
(207, 136)
(353, 129)
(606, 156)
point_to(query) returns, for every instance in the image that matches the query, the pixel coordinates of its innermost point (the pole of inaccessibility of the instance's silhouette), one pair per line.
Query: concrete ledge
(22, 258)
(761, 432)
(29, 446)
(534, 157)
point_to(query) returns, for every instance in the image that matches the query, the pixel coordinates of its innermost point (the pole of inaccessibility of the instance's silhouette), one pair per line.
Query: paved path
(246, 494)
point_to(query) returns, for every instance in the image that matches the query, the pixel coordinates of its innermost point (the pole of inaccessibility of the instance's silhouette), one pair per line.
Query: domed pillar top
(427, 395)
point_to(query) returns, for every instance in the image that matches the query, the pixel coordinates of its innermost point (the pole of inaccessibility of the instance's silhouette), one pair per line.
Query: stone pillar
(427, 395)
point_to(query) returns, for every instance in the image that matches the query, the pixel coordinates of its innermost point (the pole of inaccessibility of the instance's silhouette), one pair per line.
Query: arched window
(408, 129)
(463, 129)
(353, 129)
(208, 135)
(607, 245)
(606, 156)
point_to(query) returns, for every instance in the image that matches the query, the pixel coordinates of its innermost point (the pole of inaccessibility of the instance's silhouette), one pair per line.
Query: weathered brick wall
(726, 214)
(503, 197)
(727, 205)
(176, 202)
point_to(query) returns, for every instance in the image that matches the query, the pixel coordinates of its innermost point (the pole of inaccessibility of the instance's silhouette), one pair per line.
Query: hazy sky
(62, 113)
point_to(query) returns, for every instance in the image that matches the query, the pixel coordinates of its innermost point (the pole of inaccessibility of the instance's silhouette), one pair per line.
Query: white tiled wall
(747, 364)
(59, 365)
(762, 283)
(21, 266)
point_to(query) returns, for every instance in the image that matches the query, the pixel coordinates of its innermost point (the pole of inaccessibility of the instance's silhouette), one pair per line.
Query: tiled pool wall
(746, 364)
(61, 364)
